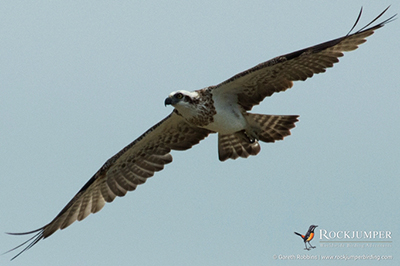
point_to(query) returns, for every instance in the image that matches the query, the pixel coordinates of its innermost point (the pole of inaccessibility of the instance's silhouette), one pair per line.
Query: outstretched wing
(123, 172)
(278, 74)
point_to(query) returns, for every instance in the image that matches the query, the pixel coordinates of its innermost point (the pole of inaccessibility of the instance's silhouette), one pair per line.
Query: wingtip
(24, 233)
(33, 240)
(381, 24)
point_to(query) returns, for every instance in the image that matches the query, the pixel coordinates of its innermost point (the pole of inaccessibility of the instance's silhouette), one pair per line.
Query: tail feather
(236, 145)
(299, 234)
(267, 128)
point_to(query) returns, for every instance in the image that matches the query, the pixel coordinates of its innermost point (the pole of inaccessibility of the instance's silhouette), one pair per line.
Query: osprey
(221, 109)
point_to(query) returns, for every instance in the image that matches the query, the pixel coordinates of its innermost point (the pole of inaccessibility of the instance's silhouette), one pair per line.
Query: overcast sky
(79, 81)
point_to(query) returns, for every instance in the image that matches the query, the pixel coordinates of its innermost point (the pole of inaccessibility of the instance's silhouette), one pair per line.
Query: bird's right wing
(276, 75)
(123, 172)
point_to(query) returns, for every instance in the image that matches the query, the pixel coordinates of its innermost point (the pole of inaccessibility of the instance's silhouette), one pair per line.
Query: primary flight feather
(218, 109)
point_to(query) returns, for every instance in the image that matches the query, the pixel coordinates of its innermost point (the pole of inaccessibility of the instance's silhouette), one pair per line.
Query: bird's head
(312, 228)
(181, 98)
(185, 102)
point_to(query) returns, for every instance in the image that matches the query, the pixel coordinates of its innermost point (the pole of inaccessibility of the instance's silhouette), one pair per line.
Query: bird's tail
(236, 145)
(299, 234)
(269, 128)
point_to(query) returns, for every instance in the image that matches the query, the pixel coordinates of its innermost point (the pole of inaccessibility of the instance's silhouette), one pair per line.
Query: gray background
(80, 80)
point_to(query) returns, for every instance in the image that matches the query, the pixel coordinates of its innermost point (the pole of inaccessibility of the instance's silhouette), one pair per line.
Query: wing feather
(123, 172)
(86, 206)
(276, 75)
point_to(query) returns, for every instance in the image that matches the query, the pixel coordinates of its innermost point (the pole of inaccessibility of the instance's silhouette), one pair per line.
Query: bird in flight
(221, 109)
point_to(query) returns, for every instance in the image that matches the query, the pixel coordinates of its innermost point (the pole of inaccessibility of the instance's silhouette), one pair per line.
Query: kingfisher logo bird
(308, 236)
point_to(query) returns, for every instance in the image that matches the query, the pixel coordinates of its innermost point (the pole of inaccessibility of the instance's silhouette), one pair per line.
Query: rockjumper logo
(330, 235)
(308, 236)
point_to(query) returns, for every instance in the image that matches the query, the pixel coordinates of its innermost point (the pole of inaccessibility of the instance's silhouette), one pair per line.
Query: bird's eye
(179, 95)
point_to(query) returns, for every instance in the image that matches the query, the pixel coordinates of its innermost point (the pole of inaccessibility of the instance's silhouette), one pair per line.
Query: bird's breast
(228, 118)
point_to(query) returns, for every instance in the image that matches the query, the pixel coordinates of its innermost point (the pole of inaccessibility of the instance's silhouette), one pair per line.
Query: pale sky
(79, 81)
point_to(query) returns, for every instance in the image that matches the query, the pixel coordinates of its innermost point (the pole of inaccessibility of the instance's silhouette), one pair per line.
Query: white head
(184, 101)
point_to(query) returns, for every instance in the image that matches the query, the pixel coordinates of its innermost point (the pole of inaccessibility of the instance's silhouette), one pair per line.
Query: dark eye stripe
(188, 99)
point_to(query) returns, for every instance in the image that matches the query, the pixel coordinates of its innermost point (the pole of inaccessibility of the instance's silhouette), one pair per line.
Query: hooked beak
(168, 101)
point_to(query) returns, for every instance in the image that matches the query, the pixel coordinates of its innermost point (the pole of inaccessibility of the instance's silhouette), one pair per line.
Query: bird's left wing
(253, 85)
(123, 172)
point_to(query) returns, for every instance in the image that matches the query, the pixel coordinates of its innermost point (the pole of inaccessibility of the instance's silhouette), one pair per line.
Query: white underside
(229, 118)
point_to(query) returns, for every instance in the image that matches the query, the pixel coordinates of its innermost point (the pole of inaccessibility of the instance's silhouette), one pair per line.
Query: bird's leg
(251, 136)
(305, 243)
(311, 245)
